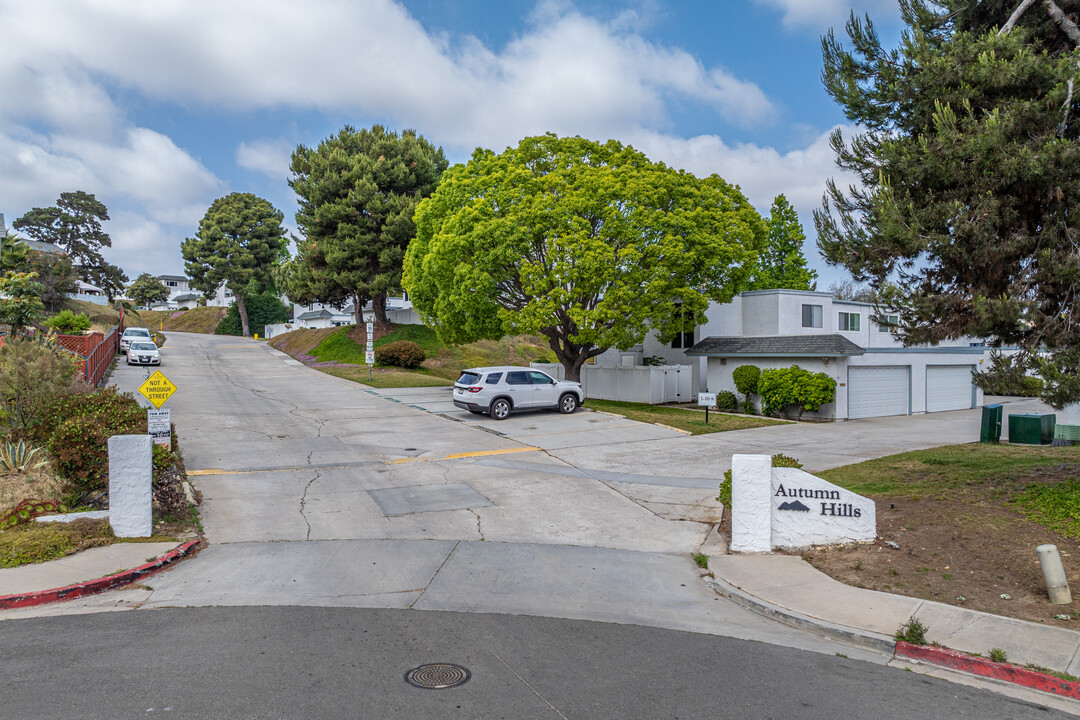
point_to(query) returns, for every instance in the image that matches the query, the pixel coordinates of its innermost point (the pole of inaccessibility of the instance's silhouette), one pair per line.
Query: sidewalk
(791, 590)
(86, 572)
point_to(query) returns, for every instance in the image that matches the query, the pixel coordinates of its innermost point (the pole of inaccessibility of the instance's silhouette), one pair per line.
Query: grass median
(691, 421)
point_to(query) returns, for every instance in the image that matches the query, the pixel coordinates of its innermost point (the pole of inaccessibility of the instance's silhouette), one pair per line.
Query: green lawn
(693, 421)
(386, 378)
(948, 468)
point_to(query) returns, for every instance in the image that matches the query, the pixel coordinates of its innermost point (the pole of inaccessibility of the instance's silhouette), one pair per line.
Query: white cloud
(568, 72)
(271, 157)
(820, 15)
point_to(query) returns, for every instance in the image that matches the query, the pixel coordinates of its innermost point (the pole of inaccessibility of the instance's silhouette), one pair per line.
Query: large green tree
(74, 225)
(589, 244)
(239, 241)
(968, 170)
(782, 263)
(357, 194)
(147, 290)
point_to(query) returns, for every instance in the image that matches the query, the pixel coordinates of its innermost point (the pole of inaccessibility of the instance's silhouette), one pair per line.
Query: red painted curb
(988, 668)
(90, 587)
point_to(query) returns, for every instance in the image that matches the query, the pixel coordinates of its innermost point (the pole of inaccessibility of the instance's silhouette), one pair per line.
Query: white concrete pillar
(751, 509)
(130, 494)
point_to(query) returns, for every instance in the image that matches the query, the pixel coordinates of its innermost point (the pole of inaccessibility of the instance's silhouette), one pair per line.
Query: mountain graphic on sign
(795, 505)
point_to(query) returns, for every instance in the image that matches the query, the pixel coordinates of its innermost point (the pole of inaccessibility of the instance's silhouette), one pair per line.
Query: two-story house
(875, 374)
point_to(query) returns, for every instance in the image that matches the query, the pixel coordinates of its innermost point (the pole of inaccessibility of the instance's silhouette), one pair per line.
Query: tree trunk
(378, 304)
(358, 310)
(244, 329)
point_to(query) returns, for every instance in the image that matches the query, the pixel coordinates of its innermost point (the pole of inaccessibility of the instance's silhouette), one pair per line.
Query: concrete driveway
(544, 429)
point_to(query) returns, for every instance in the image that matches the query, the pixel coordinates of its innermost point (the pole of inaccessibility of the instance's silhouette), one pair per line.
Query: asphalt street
(330, 663)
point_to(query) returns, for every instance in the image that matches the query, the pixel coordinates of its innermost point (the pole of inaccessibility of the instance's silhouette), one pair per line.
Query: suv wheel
(568, 403)
(500, 409)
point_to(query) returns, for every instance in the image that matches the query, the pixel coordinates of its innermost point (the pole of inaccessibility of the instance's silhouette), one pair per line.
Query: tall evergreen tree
(781, 263)
(239, 241)
(74, 225)
(357, 194)
(969, 170)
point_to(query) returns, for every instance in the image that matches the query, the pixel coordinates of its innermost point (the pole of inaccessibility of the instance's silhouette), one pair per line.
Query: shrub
(1006, 376)
(402, 353)
(784, 387)
(726, 401)
(746, 379)
(262, 310)
(80, 442)
(33, 374)
(69, 323)
(778, 460)
(748, 407)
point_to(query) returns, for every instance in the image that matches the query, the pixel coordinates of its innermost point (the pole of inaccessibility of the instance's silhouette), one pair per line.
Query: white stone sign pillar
(130, 494)
(751, 494)
(788, 508)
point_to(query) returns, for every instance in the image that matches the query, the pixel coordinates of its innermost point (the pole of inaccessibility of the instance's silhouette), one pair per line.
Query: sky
(158, 108)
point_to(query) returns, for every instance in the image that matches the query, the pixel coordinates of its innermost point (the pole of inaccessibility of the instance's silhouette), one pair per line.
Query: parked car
(143, 352)
(134, 333)
(500, 391)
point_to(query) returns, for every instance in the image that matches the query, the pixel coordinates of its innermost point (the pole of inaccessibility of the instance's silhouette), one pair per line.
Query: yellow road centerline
(399, 461)
(458, 456)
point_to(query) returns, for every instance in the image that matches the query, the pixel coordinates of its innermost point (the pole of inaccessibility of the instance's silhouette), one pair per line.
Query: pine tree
(969, 167)
(782, 263)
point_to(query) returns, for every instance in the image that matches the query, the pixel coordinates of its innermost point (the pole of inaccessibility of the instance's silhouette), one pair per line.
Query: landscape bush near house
(1007, 377)
(265, 309)
(69, 323)
(746, 379)
(778, 460)
(726, 401)
(402, 353)
(782, 388)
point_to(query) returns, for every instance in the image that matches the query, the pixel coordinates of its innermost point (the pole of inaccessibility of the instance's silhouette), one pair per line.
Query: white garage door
(948, 387)
(877, 391)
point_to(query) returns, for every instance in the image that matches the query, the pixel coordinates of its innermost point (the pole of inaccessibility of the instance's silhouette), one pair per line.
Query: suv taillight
(475, 388)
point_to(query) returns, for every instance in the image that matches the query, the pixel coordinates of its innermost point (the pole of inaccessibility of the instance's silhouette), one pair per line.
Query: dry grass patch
(37, 542)
(40, 484)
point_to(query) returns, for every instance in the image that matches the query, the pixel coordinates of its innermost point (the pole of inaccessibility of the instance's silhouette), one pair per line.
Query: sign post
(707, 400)
(158, 389)
(369, 354)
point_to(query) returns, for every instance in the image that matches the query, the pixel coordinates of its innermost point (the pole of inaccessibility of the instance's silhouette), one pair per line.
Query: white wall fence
(654, 384)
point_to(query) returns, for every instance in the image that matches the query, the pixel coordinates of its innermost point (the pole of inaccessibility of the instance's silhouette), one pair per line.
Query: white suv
(499, 391)
(133, 334)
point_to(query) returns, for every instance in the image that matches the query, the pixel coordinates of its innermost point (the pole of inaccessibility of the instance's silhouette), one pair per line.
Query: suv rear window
(493, 378)
(468, 378)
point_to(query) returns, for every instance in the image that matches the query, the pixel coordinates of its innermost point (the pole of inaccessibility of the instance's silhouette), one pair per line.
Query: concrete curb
(854, 636)
(70, 592)
(1014, 674)
(945, 657)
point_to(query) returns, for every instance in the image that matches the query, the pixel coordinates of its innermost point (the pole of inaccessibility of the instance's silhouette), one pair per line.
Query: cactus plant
(17, 456)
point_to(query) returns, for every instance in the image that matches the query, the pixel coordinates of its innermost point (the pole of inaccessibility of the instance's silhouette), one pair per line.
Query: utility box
(991, 424)
(1032, 429)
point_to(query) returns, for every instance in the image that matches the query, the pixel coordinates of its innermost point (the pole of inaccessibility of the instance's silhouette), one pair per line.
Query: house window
(170, 283)
(811, 316)
(889, 323)
(683, 339)
(849, 322)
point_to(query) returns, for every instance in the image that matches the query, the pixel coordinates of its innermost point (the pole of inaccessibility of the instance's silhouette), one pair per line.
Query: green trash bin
(991, 424)
(1032, 429)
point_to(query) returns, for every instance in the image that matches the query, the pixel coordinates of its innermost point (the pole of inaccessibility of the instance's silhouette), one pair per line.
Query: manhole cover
(437, 676)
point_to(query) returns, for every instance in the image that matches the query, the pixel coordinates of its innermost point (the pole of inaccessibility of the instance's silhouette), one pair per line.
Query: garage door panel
(948, 387)
(878, 391)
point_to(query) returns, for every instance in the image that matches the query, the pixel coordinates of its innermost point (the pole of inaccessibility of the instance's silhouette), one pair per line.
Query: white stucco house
(875, 374)
(182, 295)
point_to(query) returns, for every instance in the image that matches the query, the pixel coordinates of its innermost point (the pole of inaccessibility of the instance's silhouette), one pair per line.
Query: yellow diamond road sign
(157, 389)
